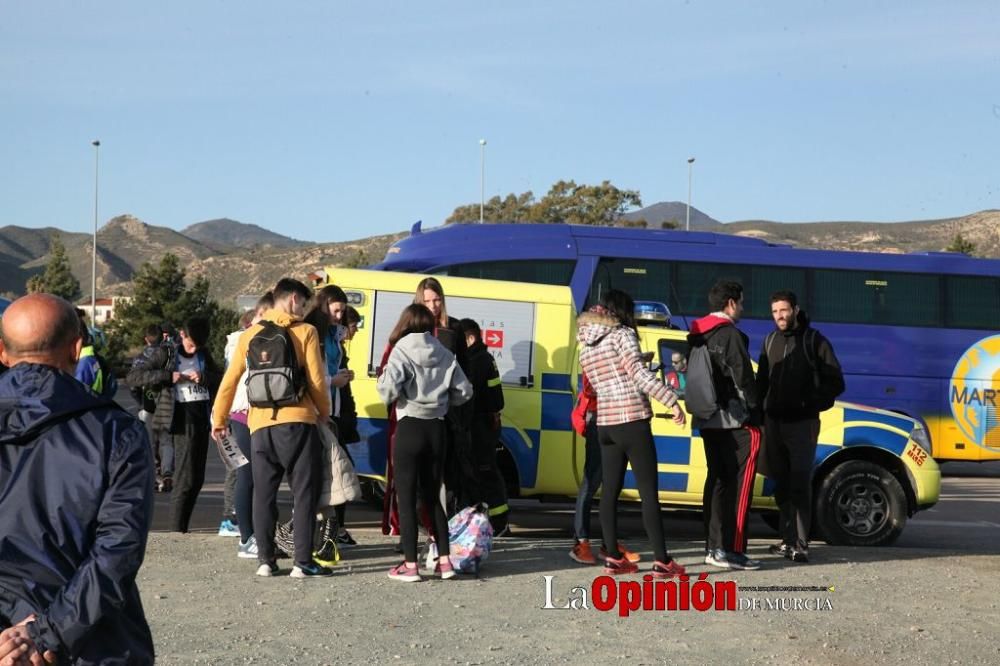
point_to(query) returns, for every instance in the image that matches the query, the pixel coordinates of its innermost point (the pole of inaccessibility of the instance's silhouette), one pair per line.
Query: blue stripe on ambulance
(868, 436)
(667, 481)
(853, 415)
(555, 381)
(369, 455)
(673, 450)
(557, 410)
(525, 458)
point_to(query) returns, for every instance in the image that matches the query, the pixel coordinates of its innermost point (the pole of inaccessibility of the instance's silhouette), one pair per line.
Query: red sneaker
(582, 553)
(446, 571)
(626, 553)
(668, 570)
(618, 567)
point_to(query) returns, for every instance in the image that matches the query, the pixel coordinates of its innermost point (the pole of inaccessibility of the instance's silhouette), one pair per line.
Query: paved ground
(932, 598)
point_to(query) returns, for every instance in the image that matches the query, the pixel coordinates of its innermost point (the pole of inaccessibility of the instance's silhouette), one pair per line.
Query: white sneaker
(248, 550)
(267, 570)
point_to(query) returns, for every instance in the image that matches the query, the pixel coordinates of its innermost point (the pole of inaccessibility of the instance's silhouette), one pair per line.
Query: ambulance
(873, 469)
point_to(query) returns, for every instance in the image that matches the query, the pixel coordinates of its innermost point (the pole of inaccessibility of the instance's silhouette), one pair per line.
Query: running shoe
(248, 549)
(445, 570)
(311, 570)
(799, 555)
(166, 485)
(345, 540)
(583, 553)
(668, 570)
(742, 562)
(407, 574)
(619, 567)
(626, 553)
(717, 558)
(228, 529)
(268, 569)
(782, 549)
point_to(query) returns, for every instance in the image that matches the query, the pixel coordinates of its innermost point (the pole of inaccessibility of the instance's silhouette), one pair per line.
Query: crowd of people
(79, 473)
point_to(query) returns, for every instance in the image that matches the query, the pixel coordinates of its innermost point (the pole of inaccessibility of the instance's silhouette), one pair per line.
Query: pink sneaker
(444, 570)
(405, 573)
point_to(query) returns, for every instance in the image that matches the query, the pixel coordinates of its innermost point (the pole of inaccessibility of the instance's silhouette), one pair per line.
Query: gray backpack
(699, 395)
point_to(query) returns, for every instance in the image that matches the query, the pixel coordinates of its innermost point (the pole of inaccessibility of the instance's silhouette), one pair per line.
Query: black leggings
(622, 444)
(418, 461)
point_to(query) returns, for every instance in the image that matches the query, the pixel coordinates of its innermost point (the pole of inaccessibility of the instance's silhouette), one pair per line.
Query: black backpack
(274, 377)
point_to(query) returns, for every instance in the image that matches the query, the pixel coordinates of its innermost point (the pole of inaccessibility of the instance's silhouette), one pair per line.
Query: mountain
(675, 211)
(229, 234)
(126, 242)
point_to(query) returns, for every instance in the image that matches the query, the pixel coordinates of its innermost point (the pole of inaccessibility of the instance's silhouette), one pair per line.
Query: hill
(674, 211)
(228, 234)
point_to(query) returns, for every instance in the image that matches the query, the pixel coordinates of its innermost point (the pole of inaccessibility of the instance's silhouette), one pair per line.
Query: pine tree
(57, 279)
(959, 244)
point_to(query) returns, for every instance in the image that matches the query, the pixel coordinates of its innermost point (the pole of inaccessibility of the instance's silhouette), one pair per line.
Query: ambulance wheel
(860, 504)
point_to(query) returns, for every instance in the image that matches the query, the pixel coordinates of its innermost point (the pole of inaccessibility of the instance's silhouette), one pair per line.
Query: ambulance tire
(860, 503)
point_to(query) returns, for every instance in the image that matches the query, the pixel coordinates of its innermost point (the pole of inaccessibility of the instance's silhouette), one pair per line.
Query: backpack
(699, 394)
(109, 383)
(274, 377)
(809, 349)
(470, 535)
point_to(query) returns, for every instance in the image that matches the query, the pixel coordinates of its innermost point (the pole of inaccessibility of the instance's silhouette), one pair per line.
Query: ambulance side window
(673, 356)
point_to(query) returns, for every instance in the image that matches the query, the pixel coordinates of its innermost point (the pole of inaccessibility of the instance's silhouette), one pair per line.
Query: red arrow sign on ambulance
(493, 338)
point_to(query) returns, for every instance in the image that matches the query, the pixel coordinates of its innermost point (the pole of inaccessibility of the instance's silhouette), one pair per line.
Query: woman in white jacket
(424, 380)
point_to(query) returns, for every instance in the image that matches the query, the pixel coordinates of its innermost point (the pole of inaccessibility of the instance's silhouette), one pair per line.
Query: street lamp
(93, 267)
(687, 226)
(482, 178)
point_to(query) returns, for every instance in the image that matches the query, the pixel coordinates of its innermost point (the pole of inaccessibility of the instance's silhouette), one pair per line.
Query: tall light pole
(687, 226)
(93, 267)
(482, 178)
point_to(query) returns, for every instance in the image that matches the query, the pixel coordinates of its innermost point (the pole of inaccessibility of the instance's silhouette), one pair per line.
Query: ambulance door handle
(527, 382)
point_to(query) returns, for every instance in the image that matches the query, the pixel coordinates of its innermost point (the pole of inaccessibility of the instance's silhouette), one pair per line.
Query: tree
(639, 224)
(565, 202)
(57, 279)
(672, 223)
(160, 294)
(359, 260)
(959, 244)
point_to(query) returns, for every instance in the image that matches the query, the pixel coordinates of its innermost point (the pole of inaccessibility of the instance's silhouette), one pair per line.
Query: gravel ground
(896, 605)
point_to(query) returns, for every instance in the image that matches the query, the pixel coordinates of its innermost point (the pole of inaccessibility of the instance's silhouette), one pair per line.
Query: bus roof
(351, 279)
(469, 243)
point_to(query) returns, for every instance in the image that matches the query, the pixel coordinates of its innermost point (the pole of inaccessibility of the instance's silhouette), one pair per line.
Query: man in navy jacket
(76, 488)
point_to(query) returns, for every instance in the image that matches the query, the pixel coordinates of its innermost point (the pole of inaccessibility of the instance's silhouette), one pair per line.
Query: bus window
(642, 279)
(973, 302)
(766, 281)
(876, 297)
(695, 279)
(556, 271)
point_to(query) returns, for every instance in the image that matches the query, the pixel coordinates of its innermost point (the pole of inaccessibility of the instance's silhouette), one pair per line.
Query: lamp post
(93, 267)
(687, 226)
(482, 178)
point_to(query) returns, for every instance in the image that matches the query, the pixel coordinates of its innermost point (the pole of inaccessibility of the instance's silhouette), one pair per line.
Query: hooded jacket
(316, 398)
(789, 385)
(154, 373)
(422, 378)
(76, 502)
(612, 360)
(732, 372)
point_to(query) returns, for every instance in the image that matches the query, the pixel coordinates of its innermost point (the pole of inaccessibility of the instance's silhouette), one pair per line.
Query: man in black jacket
(731, 434)
(487, 405)
(798, 376)
(76, 483)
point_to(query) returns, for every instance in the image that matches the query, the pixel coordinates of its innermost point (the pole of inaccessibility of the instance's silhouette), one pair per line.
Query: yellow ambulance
(873, 467)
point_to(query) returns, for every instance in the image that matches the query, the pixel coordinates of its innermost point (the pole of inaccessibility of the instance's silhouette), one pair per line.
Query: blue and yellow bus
(917, 334)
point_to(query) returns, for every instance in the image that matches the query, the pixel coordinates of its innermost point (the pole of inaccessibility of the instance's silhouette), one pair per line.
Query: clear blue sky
(336, 120)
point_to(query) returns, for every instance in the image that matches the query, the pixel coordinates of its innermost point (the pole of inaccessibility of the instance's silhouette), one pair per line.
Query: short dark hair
(265, 302)
(351, 316)
(722, 292)
(470, 327)
(288, 286)
(153, 331)
(620, 305)
(785, 295)
(197, 328)
(81, 316)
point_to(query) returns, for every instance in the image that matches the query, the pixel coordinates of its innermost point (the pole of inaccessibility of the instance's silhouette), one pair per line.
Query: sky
(335, 120)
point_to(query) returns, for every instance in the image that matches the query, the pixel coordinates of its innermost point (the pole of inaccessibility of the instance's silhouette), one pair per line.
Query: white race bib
(190, 392)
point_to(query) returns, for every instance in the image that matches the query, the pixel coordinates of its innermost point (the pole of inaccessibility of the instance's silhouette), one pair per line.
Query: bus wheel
(860, 504)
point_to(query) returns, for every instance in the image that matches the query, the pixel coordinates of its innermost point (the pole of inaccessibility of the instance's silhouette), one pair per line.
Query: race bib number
(190, 392)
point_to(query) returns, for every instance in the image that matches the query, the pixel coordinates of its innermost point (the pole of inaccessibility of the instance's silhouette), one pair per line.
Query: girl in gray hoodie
(424, 380)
